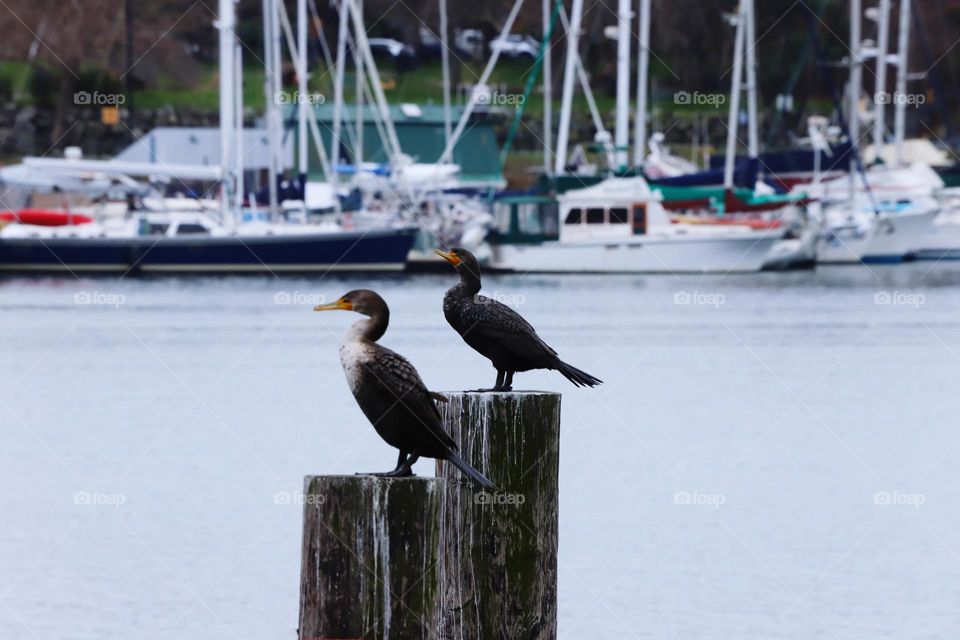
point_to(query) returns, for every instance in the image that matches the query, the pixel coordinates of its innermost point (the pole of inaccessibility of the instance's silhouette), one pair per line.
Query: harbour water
(771, 456)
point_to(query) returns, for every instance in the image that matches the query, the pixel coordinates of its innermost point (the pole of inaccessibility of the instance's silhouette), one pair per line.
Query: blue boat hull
(372, 250)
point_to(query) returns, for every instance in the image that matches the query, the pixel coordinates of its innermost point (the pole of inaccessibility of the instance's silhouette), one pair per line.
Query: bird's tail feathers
(461, 464)
(576, 376)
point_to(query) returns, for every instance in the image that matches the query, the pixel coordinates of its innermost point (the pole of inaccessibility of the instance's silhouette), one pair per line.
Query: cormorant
(389, 390)
(497, 331)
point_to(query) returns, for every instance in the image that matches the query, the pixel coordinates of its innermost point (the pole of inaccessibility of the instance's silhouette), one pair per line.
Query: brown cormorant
(389, 390)
(497, 331)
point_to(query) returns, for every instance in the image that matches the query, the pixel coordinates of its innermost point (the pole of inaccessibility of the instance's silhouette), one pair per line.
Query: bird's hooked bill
(450, 257)
(339, 304)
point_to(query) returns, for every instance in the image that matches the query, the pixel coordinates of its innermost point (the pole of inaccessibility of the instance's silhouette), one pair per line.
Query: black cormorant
(497, 331)
(389, 390)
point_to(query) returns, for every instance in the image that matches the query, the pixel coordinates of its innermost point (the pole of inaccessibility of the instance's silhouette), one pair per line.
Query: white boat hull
(943, 242)
(889, 237)
(899, 236)
(730, 254)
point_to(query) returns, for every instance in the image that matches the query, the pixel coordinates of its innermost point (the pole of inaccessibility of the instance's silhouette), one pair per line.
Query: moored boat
(620, 226)
(192, 242)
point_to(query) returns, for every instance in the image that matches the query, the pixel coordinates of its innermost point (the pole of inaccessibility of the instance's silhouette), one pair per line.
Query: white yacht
(620, 225)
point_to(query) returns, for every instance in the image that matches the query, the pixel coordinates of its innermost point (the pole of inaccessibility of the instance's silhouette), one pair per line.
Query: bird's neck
(368, 330)
(469, 283)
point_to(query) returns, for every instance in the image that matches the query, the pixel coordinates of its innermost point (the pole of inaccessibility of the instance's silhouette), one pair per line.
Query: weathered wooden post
(370, 558)
(498, 565)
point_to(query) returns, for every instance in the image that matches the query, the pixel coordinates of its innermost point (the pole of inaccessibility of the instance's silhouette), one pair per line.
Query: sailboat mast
(856, 71)
(753, 137)
(880, 97)
(226, 24)
(621, 133)
(338, 90)
(238, 134)
(302, 103)
(900, 105)
(445, 65)
(359, 120)
(569, 73)
(735, 87)
(274, 120)
(547, 90)
(643, 66)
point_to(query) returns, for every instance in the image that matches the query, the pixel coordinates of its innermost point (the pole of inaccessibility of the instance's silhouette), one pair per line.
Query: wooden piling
(498, 564)
(370, 558)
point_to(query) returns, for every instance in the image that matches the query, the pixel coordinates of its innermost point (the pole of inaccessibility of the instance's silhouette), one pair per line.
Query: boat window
(618, 216)
(529, 216)
(594, 216)
(189, 228)
(548, 214)
(155, 229)
(575, 216)
(640, 219)
(502, 216)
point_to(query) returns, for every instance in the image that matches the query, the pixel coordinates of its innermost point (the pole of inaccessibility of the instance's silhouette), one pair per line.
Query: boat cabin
(614, 208)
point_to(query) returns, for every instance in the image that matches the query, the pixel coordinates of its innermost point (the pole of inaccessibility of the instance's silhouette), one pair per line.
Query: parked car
(468, 43)
(516, 46)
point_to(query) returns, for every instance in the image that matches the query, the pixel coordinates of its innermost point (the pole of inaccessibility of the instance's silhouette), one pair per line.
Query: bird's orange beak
(340, 304)
(450, 257)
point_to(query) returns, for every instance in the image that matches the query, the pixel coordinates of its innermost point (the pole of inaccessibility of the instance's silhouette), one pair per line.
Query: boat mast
(880, 97)
(753, 137)
(445, 64)
(547, 89)
(643, 65)
(302, 102)
(621, 133)
(856, 71)
(735, 87)
(569, 71)
(360, 120)
(900, 105)
(271, 84)
(226, 24)
(344, 19)
(238, 135)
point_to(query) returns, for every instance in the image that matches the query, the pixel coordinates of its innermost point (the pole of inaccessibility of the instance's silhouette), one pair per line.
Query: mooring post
(370, 558)
(498, 565)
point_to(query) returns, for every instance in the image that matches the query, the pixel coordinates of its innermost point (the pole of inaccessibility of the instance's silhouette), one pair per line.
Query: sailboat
(886, 213)
(157, 234)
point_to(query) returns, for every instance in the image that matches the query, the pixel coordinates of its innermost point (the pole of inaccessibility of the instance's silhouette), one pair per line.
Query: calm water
(776, 458)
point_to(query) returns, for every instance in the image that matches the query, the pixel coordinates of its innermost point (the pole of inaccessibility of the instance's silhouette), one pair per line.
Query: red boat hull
(44, 217)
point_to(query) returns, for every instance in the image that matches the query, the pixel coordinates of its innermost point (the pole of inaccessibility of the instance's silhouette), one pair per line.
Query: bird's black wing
(397, 377)
(493, 320)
